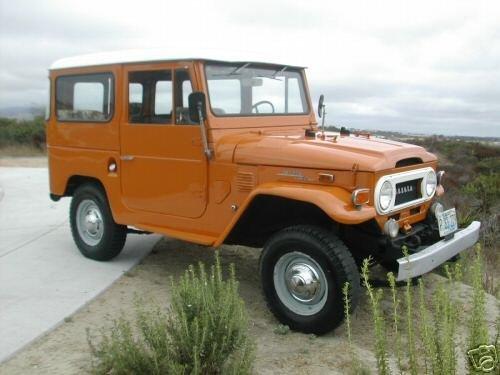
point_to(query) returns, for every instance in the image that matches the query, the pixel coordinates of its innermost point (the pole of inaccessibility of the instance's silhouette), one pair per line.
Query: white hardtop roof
(137, 56)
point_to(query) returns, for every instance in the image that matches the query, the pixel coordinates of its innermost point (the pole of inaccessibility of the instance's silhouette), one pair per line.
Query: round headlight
(385, 196)
(430, 183)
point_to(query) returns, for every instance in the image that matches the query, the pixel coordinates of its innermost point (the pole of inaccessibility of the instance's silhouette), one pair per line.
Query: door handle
(127, 157)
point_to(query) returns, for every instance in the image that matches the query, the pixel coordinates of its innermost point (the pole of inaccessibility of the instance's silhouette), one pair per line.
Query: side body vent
(245, 181)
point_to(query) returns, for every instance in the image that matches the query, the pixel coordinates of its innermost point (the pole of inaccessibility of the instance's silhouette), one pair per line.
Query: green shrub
(432, 342)
(357, 368)
(208, 324)
(378, 320)
(486, 189)
(281, 329)
(205, 332)
(22, 132)
(478, 332)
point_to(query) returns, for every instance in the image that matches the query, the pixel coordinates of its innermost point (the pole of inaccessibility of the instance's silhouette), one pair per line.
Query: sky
(420, 66)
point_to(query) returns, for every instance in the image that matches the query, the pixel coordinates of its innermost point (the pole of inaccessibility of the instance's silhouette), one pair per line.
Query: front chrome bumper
(429, 258)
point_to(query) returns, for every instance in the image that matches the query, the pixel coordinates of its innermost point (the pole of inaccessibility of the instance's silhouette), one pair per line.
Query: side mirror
(197, 106)
(321, 105)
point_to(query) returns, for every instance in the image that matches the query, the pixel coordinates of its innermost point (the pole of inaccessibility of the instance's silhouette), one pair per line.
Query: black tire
(113, 237)
(337, 266)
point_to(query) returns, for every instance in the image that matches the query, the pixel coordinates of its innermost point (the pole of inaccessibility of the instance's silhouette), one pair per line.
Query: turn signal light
(360, 197)
(326, 178)
(440, 187)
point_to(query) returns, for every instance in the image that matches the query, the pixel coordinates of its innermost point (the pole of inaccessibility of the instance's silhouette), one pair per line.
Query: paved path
(43, 277)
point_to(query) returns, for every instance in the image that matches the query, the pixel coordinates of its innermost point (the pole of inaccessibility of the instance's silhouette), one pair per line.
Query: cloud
(422, 66)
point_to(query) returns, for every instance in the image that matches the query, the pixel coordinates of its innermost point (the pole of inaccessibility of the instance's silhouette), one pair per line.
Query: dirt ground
(65, 349)
(25, 161)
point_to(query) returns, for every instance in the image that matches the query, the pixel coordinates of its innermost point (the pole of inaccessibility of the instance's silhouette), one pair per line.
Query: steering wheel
(256, 105)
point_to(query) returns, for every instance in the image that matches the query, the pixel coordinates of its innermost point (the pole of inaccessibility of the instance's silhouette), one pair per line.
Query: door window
(150, 97)
(163, 98)
(183, 88)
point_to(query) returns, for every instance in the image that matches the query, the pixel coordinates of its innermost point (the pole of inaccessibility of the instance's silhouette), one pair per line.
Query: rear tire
(94, 230)
(303, 270)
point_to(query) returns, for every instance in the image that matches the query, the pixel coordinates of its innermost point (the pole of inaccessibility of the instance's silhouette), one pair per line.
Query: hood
(371, 154)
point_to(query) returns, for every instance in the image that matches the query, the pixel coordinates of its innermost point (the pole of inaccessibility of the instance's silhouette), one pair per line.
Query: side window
(88, 96)
(84, 98)
(187, 89)
(150, 97)
(163, 98)
(135, 99)
(183, 88)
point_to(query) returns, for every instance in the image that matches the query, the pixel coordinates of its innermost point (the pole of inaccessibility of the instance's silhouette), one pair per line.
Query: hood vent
(407, 162)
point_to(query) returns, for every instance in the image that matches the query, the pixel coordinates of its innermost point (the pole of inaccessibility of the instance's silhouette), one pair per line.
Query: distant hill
(408, 136)
(22, 113)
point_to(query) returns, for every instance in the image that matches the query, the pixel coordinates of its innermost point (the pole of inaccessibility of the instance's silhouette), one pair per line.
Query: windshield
(253, 90)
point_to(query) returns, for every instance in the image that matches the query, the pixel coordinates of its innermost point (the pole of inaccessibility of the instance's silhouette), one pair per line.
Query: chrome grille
(407, 191)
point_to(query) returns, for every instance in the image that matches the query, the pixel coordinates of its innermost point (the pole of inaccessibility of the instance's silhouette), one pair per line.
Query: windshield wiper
(234, 72)
(279, 71)
(237, 70)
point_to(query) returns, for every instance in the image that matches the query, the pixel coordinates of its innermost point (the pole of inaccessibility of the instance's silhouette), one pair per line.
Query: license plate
(447, 221)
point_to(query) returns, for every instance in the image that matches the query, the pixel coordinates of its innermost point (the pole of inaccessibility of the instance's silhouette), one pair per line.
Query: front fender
(334, 201)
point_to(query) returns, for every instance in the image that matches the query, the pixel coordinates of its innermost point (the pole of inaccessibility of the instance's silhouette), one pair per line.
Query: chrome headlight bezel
(385, 196)
(395, 178)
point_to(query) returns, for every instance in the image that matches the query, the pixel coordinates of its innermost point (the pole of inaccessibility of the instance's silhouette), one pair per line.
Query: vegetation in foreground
(22, 137)
(204, 332)
(424, 334)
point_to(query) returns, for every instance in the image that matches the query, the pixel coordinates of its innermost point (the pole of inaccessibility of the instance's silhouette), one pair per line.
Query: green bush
(434, 346)
(22, 132)
(485, 188)
(378, 320)
(205, 332)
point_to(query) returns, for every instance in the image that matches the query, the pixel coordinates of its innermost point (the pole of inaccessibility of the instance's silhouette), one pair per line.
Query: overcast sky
(420, 66)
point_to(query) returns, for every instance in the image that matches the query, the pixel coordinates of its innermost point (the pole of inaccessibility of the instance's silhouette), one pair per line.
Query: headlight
(430, 183)
(385, 196)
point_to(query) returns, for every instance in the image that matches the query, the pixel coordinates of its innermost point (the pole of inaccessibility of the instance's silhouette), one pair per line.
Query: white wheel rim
(300, 283)
(89, 222)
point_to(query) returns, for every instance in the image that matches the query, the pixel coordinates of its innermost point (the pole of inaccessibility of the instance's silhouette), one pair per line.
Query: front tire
(303, 269)
(94, 231)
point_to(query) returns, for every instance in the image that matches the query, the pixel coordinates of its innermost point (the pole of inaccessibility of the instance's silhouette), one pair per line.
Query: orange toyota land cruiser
(216, 152)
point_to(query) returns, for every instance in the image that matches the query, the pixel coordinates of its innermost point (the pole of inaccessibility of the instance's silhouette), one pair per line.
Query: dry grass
(16, 151)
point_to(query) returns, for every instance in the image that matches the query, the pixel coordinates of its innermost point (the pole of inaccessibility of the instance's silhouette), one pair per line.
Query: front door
(163, 166)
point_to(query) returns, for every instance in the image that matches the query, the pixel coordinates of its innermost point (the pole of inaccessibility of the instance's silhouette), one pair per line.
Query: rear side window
(85, 98)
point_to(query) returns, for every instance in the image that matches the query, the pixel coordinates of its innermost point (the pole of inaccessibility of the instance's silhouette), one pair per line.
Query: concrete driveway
(43, 277)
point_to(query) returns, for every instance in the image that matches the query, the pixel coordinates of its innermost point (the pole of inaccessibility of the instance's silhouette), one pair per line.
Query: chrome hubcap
(300, 283)
(89, 222)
